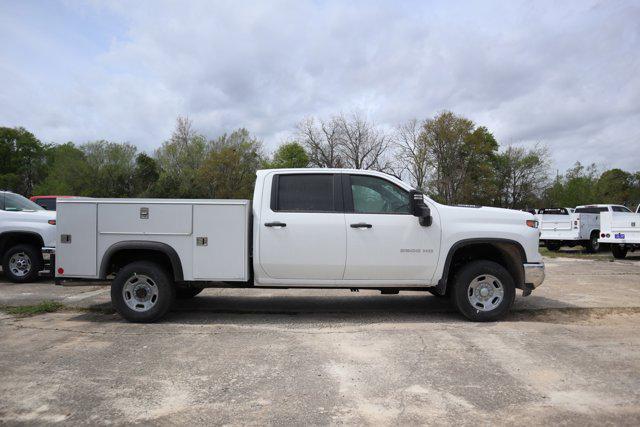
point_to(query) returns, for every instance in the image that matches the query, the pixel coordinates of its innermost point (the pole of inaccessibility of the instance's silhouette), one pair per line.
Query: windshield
(16, 203)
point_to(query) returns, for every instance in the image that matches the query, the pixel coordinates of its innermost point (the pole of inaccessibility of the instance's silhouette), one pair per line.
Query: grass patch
(575, 253)
(32, 310)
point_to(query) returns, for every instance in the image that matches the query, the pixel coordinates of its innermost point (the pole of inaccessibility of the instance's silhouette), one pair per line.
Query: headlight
(532, 223)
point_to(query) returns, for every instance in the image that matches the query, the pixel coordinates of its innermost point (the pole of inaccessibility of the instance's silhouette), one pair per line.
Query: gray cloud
(558, 73)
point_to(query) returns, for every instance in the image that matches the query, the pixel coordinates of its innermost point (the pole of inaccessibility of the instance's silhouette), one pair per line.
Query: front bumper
(49, 261)
(533, 276)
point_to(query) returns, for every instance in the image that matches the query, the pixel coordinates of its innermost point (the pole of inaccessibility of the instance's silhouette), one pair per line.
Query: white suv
(27, 237)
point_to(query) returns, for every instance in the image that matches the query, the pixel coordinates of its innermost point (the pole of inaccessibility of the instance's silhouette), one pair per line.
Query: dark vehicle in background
(47, 202)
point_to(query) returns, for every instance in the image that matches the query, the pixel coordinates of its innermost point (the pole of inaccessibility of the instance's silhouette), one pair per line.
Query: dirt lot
(569, 354)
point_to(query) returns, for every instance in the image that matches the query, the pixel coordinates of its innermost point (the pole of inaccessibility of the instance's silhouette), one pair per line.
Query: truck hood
(486, 214)
(37, 216)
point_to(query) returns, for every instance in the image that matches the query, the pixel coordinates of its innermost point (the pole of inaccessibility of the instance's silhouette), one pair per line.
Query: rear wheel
(593, 245)
(22, 263)
(185, 292)
(553, 246)
(483, 291)
(142, 292)
(619, 251)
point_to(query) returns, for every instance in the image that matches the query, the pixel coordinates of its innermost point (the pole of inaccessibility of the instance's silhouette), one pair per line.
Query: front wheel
(483, 291)
(22, 263)
(619, 251)
(142, 292)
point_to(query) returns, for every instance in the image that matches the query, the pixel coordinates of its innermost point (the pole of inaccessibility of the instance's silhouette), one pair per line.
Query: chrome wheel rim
(595, 244)
(485, 292)
(20, 264)
(140, 293)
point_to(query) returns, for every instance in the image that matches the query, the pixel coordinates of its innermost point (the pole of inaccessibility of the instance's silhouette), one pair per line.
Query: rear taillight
(60, 270)
(52, 221)
(602, 235)
(608, 235)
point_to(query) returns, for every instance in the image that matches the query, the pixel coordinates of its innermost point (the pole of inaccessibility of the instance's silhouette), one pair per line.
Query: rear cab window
(301, 192)
(592, 209)
(554, 211)
(47, 203)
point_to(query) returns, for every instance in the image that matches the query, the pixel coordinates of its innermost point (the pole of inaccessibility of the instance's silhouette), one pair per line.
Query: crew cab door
(384, 240)
(302, 228)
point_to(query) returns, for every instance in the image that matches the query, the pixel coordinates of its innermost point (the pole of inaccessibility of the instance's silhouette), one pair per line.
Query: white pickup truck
(621, 229)
(562, 227)
(27, 237)
(314, 228)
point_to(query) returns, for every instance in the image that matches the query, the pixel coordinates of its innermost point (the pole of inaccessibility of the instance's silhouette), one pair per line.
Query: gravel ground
(568, 354)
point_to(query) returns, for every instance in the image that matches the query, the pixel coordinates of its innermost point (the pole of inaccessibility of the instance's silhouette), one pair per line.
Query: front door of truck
(302, 228)
(384, 240)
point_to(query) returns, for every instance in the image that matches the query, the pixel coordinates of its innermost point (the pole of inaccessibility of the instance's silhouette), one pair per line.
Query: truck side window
(379, 196)
(305, 193)
(620, 209)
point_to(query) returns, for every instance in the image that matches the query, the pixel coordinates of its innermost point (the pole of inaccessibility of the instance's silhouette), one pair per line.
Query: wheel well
(122, 257)
(8, 240)
(510, 255)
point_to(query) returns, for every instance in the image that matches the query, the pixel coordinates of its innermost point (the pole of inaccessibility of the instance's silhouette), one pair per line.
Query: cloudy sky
(565, 74)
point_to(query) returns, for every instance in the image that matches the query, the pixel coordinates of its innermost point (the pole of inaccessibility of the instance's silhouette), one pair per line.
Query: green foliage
(67, 171)
(22, 160)
(31, 310)
(289, 155)
(229, 170)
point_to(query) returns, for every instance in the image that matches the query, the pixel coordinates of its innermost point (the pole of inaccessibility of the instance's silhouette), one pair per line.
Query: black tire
(593, 246)
(619, 251)
(146, 273)
(30, 262)
(553, 246)
(473, 273)
(186, 292)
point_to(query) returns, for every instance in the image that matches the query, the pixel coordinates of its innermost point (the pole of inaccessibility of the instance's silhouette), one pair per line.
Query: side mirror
(419, 208)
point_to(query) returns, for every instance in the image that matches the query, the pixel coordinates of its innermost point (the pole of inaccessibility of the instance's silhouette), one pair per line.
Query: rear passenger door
(302, 229)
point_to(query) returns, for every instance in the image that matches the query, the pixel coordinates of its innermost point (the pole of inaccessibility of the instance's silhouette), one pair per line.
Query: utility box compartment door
(145, 218)
(76, 239)
(220, 242)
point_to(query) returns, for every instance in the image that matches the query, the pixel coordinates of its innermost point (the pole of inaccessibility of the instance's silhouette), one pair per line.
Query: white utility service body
(326, 228)
(89, 228)
(561, 227)
(620, 229)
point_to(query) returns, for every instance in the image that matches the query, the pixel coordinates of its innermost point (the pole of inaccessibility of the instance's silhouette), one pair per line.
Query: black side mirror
(419, 208)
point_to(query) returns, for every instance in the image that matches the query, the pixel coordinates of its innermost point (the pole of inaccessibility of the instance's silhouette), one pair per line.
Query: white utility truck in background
(620, 229)
(305, 228)
(27, 238)
(561, 227)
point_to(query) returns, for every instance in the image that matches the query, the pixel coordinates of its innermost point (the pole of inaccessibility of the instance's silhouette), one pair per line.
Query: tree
(290, 155)
(522, 175)
(322, 141)
(615, 186)
(67, 172)
(112, 168)
(22, 160)
(179, 159)
(229, 171)
(576, 187)
(361, 144)
(412, 153)
(446, 138)
(145, 175)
